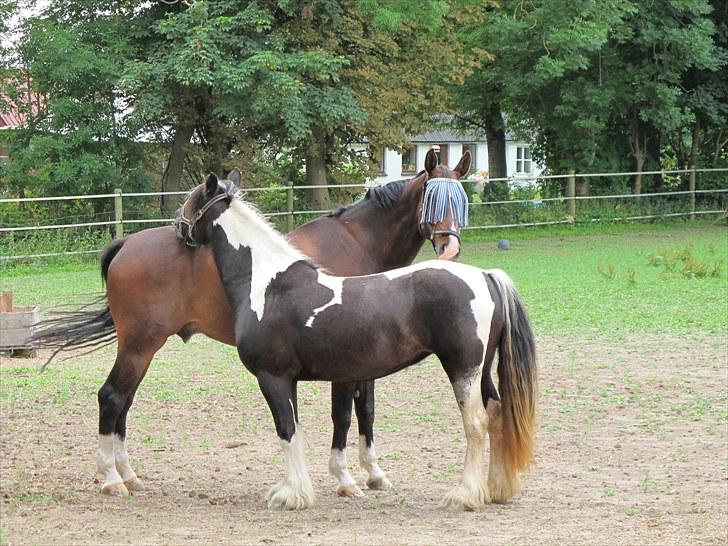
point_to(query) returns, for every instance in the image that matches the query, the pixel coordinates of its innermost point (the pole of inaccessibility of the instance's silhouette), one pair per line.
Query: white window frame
(524, 165)
(413, 150)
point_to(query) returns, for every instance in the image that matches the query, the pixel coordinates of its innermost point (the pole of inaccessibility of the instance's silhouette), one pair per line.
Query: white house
(451, 144)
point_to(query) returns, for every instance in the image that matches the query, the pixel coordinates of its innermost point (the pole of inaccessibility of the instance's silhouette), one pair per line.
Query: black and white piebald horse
(294, 321)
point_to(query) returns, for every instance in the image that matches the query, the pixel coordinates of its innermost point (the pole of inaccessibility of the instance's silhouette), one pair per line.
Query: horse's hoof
(503, 490)
(461, 498)
(135, 484)
(349, 491)
(379, 484)
(288, 498)
(115, 490)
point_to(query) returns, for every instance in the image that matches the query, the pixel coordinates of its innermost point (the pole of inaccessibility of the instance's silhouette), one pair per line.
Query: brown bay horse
(294, 321)
(152, 282)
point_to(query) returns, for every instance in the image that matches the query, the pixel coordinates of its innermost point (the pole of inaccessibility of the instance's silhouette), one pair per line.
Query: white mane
(271, 254)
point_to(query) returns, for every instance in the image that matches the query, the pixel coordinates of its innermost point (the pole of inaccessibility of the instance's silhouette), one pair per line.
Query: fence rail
(568, 201)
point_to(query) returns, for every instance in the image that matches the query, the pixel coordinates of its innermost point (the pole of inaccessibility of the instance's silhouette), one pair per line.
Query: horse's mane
(384, 196)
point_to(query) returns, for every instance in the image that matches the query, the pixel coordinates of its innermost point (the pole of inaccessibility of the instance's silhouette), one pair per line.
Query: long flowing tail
(87, 327)
(517, 377)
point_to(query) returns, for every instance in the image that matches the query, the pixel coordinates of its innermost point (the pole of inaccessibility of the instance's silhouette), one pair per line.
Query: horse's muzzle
(450, 248)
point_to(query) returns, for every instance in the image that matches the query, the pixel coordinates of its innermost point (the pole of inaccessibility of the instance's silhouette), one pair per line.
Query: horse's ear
(211, 184)
(235, 176)
(463, 165)
(430, 160)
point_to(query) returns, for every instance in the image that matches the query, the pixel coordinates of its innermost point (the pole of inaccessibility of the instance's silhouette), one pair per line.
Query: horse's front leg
(342, 396)
(364, 404)
(295, 491)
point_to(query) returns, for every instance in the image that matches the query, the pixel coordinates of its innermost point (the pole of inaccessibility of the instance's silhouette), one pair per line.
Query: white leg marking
(121, 456)
(368, 460)
(338, 469)
(296, 490)
(472, 493)
(106, 464)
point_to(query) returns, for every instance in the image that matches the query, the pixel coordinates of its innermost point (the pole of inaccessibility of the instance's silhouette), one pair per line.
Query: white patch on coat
(270, 253)
(334, 283)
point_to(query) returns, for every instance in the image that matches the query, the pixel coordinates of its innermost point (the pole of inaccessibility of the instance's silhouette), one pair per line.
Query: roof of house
(448, 135)
(11, 115)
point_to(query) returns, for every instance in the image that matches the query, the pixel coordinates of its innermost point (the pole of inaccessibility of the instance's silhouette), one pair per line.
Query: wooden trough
(16, 326)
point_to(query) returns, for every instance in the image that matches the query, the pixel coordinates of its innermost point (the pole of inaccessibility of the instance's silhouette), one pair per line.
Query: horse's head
(193, 220)
(444, 205)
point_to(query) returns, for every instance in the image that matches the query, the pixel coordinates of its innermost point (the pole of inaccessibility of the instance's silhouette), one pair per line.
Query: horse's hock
(16, 326)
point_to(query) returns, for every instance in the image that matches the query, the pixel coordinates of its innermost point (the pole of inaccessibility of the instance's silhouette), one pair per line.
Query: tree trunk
(495, 135)
(316, 168)
(638, 146)
(694, 151)
(172, 178)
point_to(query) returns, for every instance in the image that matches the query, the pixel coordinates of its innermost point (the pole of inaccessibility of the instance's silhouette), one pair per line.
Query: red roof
(10, 115)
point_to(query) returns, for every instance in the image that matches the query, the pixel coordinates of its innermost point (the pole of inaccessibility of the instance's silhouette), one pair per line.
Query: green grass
(590, 281)
(607, 284)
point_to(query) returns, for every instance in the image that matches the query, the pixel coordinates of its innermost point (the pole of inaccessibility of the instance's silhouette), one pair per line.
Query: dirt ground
(632, 449)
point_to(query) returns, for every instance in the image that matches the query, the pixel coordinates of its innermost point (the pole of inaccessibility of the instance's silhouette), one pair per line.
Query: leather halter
(182, 220)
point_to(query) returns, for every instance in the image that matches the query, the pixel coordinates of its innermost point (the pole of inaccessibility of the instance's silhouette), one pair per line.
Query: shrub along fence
(505, 203)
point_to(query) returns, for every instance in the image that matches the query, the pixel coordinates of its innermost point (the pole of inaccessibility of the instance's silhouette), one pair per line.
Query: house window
(380, 159)
(409, 160)
(523, 160)
(442, 153)
(472, 148)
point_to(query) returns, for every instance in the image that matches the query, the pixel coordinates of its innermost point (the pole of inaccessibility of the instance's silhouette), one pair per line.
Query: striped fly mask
(443, 214)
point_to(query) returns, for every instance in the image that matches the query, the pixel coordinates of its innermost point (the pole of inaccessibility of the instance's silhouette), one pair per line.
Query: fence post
(118, 214)
(571, 193)
(289, 208)
(692, 193)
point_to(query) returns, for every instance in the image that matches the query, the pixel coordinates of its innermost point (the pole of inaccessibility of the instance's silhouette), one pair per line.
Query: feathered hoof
(135, 484)
(379, 484)
(115, 489)
(502, 491)
(283, 496)
(351, 491)
(461, 498)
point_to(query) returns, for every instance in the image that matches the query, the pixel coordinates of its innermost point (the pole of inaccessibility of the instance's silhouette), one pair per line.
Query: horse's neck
(249, 253)
(391, 233)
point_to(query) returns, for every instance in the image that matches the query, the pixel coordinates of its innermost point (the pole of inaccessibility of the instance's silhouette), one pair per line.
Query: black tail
(88, 327)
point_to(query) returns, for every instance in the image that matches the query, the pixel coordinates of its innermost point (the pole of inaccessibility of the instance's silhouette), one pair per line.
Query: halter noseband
(192, 222)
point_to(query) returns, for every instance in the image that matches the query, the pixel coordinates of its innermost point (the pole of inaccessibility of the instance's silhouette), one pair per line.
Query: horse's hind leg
(502, 484)
(472, 493)
(342, 395)
(295, 491)
(115, 398)
(364, 404)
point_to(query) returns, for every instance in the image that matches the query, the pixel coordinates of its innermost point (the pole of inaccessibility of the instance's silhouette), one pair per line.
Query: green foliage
(597, 86)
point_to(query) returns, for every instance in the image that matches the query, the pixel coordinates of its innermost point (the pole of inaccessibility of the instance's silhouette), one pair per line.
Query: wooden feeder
(17, 324)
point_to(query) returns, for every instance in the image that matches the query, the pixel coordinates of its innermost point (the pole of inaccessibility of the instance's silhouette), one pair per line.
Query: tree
(73, 142)
(590, 83)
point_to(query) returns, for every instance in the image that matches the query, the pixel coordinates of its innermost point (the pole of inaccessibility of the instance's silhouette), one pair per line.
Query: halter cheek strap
(192, 222)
